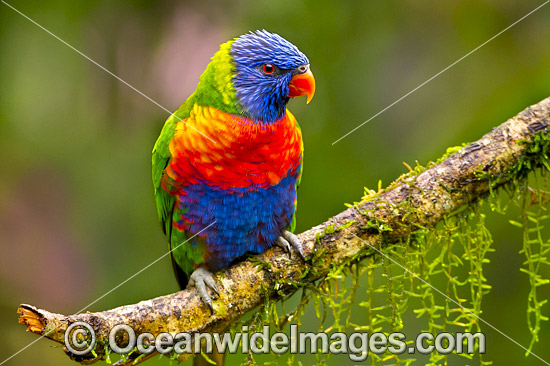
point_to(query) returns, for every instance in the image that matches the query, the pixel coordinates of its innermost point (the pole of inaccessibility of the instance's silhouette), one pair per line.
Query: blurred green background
(77, 214)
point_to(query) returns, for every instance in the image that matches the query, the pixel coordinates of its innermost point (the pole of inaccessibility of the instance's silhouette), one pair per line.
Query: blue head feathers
(265, 62)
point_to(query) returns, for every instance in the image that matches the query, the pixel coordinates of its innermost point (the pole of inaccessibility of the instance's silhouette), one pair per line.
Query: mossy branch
(419, 199)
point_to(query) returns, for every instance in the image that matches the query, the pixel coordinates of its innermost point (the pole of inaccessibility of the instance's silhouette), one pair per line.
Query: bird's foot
(200, 278)
(287, 240)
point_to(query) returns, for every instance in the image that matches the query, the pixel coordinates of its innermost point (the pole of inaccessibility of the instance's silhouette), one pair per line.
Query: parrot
(228, 162)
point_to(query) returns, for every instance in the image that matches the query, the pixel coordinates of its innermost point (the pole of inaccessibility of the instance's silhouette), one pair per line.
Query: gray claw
(294, 242)
(200, 278)
(283, 244)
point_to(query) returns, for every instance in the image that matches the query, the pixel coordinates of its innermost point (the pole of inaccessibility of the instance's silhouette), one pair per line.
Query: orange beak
(302, 84)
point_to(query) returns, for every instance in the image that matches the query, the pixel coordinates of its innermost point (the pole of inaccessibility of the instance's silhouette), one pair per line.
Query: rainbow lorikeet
(228, 162)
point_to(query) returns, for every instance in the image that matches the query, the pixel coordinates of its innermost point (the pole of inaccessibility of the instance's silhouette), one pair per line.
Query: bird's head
(268, 70)
(254, 75)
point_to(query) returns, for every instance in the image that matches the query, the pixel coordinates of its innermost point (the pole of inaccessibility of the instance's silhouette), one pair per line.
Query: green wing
(164, 200)
(161, 158)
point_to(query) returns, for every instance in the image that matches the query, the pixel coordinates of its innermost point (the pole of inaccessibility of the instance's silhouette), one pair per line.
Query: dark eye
(302, 69)
(268, 68)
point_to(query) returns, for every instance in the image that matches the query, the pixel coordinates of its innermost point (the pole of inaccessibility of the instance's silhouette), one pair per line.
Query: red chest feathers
(227, 151)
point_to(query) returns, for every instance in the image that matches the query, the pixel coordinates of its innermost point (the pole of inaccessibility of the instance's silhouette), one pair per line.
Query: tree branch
(417, 199)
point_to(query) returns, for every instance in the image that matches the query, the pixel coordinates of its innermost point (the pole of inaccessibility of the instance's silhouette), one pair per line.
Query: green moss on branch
(417, 200)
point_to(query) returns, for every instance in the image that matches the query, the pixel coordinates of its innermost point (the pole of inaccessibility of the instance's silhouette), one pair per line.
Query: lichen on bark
(414, 204)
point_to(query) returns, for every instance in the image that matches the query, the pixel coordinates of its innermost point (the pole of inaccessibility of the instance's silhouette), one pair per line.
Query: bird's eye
(268, 68)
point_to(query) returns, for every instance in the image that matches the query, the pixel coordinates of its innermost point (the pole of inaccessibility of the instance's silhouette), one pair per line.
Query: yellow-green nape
(225, 68)
(215, 88)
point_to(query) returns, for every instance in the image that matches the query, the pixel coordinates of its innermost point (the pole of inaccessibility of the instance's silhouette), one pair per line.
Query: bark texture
(417, 199)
